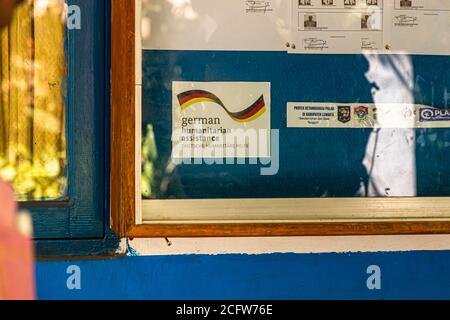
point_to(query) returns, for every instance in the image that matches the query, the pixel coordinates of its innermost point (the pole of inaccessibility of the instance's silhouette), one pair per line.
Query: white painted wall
(259, 245)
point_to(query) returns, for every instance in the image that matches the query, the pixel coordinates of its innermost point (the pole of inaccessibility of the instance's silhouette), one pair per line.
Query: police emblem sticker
(361, 113)
(344, 114)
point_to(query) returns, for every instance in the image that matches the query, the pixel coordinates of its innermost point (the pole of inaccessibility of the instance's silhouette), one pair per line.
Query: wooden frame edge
(123, 201)
(122, 164)
(287, 229)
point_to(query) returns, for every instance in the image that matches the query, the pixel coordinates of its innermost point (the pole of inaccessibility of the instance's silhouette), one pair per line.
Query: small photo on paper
(349, 2)
(327, 2)
(365, 21)
(405, 3)
(310, 21)
(304, 2)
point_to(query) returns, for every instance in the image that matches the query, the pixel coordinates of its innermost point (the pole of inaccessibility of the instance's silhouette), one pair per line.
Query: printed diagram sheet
(355, 26)
(420, 26)
(336, 26)
(297, 26)
(237, 25)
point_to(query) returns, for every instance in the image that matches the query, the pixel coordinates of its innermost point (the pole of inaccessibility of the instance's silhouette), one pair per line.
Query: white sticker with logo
(365, 115)
(213, 120)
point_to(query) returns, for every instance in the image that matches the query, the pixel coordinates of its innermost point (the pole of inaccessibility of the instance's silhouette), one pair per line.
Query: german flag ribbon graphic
(253, 112)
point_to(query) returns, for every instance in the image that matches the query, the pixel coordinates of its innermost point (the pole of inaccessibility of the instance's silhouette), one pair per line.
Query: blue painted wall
(404, 275)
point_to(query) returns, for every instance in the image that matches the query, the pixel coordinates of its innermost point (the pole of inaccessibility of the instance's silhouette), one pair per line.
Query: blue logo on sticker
(433, 114)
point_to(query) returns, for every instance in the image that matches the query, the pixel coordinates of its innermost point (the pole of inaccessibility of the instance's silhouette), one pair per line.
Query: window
(357, 124)
(53, 116)
(32, 109)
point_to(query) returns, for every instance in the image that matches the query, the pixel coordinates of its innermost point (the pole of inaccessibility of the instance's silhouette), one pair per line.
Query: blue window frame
(80, 225)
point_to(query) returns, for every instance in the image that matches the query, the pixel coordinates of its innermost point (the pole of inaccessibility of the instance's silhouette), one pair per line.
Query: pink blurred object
(7, 205)
(16, 252)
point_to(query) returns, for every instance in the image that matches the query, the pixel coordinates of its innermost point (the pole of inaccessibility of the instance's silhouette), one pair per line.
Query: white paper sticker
(384, 26)
(360, 115)
(213, 120)
(243, 25)
(297, 26)
(336, 26)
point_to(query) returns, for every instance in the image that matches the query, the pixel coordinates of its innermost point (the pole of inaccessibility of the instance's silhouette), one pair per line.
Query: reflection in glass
(32, 120)
(390, 153)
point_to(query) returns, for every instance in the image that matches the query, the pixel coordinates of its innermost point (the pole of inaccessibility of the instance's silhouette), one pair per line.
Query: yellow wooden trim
(296, 210)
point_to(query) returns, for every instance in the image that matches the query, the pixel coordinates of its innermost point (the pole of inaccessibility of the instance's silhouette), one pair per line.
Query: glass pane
(32, 113)
(358, 97)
